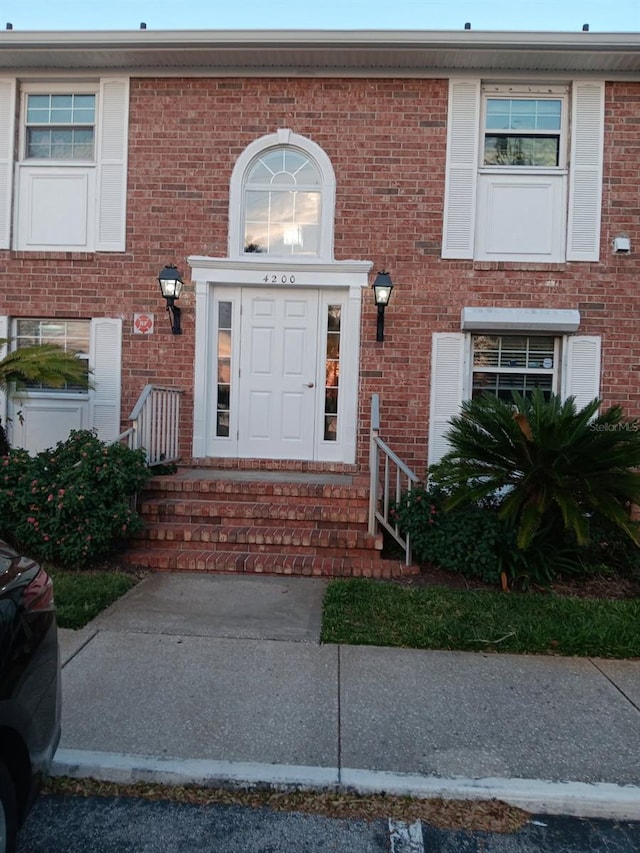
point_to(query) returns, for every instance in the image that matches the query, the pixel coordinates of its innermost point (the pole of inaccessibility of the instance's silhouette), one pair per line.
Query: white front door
(278, 381)
(277, 358)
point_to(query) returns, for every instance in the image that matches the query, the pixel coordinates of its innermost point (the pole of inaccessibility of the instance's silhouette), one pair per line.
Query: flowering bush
(70, 504)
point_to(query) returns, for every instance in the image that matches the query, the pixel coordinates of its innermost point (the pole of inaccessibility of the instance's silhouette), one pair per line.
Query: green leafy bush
(477, 542)
(70, 504)
(468, 540)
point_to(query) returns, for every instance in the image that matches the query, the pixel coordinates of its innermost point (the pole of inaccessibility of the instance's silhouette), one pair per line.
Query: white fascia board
(181, 39)
(555, 320)
(322, 52)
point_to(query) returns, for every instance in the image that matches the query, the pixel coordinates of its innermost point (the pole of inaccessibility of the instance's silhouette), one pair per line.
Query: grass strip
(80, 596)
(369, 612)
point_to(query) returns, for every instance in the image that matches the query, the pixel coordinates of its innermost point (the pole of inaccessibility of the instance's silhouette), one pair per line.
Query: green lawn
(368, 612)
(81, 595)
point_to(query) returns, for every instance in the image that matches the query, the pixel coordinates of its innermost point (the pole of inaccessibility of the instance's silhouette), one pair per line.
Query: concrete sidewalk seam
(579, 799)
(614, 685)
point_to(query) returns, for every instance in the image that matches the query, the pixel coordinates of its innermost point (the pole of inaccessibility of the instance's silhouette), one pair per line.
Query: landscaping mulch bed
(594, 586)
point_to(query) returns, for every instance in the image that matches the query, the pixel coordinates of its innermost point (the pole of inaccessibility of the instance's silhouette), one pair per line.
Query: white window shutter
(585, 171)
(463, 134)
(104, 360)
(112, 165)
(581, 369)
(7, 133)
(447, 383)
(4, 335)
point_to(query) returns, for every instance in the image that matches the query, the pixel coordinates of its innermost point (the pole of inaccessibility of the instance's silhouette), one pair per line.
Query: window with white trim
(502, 364)
(282, 199)
(524, 171)
(282, 204)
(464, 365)
(63, 176)
(60, 127)
(523, 131)
(40, 416)
(70, 335)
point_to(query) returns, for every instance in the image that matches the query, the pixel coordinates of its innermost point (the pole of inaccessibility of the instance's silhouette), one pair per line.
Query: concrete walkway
(221, 679)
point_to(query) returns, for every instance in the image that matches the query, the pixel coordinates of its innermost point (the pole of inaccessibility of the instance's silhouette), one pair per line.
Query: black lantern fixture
(171, 287)
(382, 288)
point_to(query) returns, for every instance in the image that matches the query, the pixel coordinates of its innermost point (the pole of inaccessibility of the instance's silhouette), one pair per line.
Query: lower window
(71, 335)
(502, 364)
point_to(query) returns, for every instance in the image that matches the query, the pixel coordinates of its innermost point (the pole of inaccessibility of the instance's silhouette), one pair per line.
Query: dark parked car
(29, 687)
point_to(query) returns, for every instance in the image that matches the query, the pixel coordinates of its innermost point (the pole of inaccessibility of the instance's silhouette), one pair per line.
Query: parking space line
(406, 837)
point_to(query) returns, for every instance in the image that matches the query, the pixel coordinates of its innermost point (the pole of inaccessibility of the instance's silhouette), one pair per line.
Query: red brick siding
(386, 140)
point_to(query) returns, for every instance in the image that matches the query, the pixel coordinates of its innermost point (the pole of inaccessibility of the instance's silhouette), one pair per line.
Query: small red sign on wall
(143, 324)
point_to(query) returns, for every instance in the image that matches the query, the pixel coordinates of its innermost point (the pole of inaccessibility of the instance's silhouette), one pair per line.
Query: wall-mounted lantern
(382, 288)
(171, 287)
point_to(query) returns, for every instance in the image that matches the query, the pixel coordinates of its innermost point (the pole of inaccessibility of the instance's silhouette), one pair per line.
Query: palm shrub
(45, 363)
(550, 466)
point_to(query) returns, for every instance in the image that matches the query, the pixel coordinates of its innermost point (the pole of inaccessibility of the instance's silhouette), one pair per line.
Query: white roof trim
(325, 52)
(556, 320)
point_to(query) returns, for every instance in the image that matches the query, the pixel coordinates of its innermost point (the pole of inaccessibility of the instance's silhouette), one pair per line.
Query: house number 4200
(276, 278)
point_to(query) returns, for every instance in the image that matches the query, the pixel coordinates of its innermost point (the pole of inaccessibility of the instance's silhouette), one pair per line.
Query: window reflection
(332, 372)
(282, 204)
(503, 364)
(224, 370)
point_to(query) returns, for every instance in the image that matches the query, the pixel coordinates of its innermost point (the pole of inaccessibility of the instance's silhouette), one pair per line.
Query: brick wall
(386, 140)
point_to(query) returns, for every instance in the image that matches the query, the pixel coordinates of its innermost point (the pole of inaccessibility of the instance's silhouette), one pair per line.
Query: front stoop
(220, 522)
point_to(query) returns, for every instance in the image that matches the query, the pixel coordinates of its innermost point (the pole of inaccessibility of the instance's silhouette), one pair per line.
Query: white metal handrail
(384, 468)
(155, 423)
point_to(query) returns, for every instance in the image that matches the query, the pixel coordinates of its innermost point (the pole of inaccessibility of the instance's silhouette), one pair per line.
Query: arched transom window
(283, 193)
(283, 202)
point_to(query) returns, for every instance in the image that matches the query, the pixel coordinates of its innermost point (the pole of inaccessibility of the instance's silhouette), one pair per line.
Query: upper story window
(523, 132)
(60, 126)
(282, 199)
(63, 173)
(524, 171)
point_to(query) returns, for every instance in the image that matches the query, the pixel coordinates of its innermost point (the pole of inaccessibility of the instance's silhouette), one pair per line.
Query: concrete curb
(578, 799)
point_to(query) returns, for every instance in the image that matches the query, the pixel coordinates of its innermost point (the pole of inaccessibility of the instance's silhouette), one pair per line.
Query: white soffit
(419, 53)
(556, 320)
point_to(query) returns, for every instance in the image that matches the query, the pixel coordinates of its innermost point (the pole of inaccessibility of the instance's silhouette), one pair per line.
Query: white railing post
(376, 447)
(374, 461)
(155, 424)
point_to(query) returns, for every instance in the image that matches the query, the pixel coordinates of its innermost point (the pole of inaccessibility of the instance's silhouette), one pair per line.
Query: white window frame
(98, 408)
(563, 203)
(91, 194)
(578, 372)
(553, 371)
(282, 138)
(534, 93)
(83, 356)
(70, 88)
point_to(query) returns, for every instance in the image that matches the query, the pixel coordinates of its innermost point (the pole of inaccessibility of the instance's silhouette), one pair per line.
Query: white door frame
(344, 278)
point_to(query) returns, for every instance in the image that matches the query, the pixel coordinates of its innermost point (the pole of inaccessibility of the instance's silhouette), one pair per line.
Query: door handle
(311, 384)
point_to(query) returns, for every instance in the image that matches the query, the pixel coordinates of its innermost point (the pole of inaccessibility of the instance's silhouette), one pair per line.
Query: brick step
(241, 512)
(175, 559)
(231, 490)
(262, 538)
